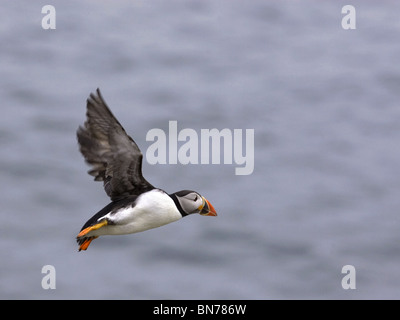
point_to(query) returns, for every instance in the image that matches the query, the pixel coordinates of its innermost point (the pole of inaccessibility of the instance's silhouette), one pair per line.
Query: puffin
(116, 160)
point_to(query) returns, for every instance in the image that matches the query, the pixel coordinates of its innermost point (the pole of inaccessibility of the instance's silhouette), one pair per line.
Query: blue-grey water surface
(324, 106)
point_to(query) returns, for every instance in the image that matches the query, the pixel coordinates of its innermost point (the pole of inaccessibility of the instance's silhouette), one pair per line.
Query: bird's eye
(195, 199)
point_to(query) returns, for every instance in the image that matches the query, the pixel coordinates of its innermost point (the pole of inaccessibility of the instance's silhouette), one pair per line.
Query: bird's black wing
(114, 156)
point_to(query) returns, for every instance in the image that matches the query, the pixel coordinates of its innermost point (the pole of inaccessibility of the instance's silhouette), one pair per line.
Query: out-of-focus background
(324, 106)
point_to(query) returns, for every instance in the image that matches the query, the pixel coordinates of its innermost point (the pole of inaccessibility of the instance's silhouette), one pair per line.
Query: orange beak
(207, 209)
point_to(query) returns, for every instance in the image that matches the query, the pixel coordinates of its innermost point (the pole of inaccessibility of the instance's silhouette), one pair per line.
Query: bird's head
(189, 202)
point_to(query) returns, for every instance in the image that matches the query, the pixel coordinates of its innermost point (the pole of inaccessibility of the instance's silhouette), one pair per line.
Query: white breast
(153, 209)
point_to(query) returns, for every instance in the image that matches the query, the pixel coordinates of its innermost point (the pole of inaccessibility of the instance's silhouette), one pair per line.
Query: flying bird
(115, 159)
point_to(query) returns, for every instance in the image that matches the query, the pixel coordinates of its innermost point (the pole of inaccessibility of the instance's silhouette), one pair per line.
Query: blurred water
(324, 106)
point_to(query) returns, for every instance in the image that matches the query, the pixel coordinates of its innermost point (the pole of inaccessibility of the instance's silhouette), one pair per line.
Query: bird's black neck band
(178, 205)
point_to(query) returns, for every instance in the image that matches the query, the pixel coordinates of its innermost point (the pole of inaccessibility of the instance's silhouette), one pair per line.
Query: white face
(191, 202)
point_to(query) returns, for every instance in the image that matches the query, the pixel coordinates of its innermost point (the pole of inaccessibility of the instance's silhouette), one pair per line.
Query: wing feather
(112, 154)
